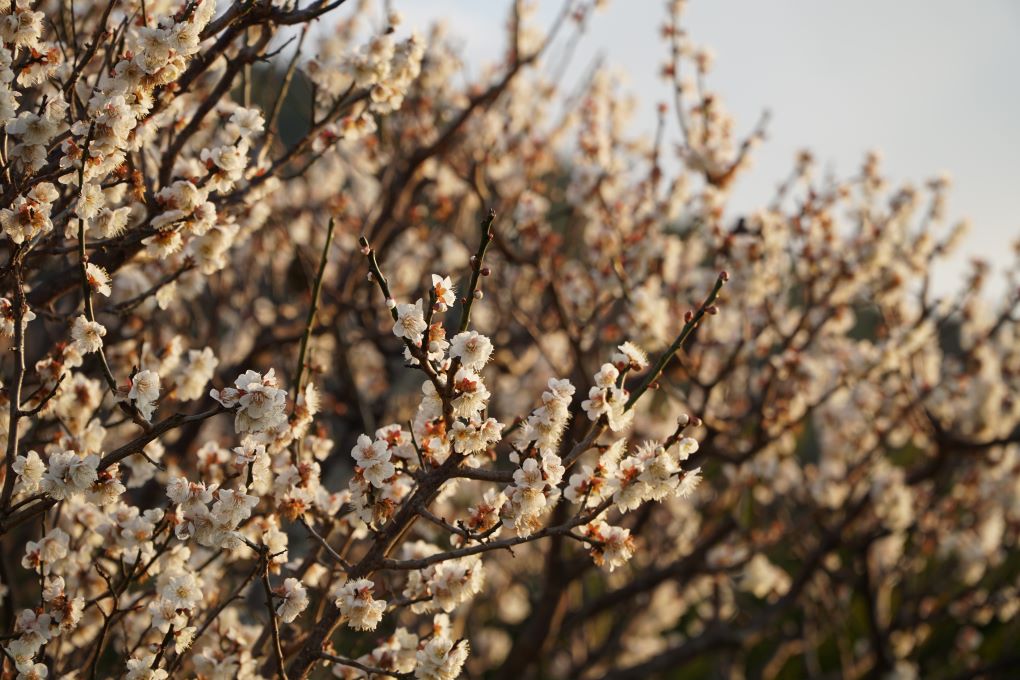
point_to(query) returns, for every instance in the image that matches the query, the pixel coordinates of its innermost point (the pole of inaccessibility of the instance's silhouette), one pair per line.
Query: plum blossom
(68, 473)
(354, 599)
(410, 323)
(87, 335)
(446, 294)
(144, 392)
(294, 598)
(472, 348)
(441, 659)
(7, 318)
(259, 401)
(99, 280)
(373, 459)
(611, 547)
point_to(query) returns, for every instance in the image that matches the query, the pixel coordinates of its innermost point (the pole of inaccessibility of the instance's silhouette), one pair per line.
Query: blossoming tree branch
(327, 353)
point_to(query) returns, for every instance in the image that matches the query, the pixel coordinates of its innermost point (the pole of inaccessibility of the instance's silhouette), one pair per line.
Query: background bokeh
(929, 83)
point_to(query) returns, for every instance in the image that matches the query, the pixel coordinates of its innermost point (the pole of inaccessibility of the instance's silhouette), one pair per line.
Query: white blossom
(354, 599)
(410, 323)
(87, 335)
(294, 600)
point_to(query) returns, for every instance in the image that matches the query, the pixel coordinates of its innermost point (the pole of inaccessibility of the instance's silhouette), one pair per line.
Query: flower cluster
(258, 402)
(356, 605)
(276, 400)
(539, 475)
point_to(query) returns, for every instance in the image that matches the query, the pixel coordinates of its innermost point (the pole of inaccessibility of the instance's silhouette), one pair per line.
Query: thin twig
(344, 661)
(281, 669)
(685, 332)
(313, 308)
(476, 271)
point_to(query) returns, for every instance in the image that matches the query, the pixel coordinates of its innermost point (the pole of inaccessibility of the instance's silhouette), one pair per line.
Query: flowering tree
(277, 406)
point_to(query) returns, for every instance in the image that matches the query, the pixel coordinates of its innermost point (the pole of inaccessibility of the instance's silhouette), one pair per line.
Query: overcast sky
(933, 84)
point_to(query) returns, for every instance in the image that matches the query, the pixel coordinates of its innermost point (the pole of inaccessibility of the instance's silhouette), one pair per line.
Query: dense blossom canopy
(327, 353)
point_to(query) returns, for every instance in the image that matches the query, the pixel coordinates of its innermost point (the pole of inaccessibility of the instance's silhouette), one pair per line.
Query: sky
(932, 84)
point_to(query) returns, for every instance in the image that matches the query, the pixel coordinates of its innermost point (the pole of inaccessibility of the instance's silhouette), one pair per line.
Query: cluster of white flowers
(396, 654)
(179, 594)
(29, 215)
(383, 69)
(378, 484)
(212, 525)
(539, 475)
(607, 398)
(610, 546)
(186, 206)
(445, 585)
(652, 472)
(373, 460)
(356, 605)
(259, 403)
(382, 66)
(58, 615)
(35, 131)
(441, 659)
(475, 436)
(69, 473)
(7, 318)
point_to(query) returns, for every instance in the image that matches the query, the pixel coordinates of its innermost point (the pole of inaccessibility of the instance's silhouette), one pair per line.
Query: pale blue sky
(933, 84)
